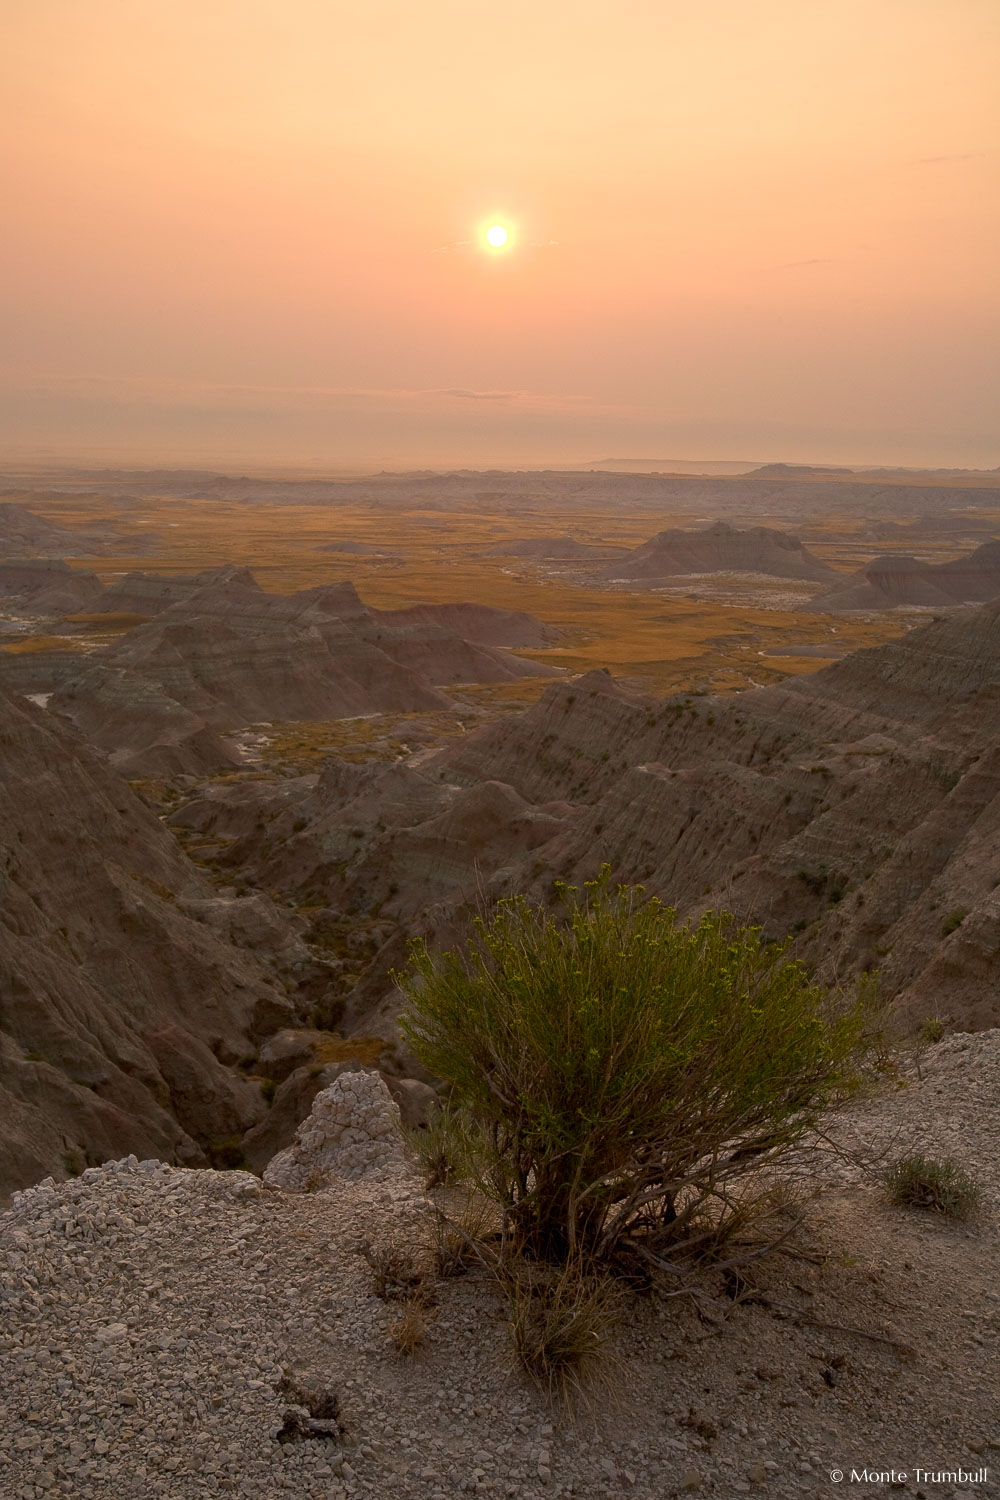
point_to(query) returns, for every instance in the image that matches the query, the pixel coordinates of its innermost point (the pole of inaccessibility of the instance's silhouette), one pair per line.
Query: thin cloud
(935, 161)
(163, 394)
(484, 395)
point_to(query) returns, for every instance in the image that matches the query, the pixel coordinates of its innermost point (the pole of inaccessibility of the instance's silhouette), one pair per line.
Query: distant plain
(664, 641)
(719, 633)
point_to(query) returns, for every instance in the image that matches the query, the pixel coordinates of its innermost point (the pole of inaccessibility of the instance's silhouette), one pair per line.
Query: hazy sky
(739, 229)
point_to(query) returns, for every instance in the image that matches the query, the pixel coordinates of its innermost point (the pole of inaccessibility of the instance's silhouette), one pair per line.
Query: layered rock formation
(149, 594)
(122, 1000)
(47, 586)
(25, 534)
(227, 654)
(720, 549)
(378, 840)
(479, 623)
(856, 810)
(857, 807)
(975, 578)
(887, 582)
(897, 580)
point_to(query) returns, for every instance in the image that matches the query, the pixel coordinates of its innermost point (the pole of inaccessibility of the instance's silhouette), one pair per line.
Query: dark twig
(806, 1319)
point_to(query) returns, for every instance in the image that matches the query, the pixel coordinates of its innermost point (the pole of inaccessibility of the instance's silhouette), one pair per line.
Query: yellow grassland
(33, 643)
(664, 643)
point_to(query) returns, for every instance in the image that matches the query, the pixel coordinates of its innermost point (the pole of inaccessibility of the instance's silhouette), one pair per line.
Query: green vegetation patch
(616, 1075)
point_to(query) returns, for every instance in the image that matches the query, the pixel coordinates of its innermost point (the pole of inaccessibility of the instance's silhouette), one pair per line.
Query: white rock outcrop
(353, 1131)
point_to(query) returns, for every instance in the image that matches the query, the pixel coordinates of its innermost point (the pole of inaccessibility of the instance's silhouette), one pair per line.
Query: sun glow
(496, 236)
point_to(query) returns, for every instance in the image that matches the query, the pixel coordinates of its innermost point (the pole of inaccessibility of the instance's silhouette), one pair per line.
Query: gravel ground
(162, 1330)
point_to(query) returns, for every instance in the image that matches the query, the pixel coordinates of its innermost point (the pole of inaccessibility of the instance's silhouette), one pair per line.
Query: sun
(496, 236)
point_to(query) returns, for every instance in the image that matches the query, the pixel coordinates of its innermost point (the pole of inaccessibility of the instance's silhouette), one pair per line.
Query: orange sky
(753, 229)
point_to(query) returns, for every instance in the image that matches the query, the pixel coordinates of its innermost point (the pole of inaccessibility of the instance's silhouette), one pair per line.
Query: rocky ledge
(179, 1333)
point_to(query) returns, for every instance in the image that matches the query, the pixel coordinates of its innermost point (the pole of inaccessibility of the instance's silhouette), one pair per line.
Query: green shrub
(954, 919)
(932, 1030)
(917, 1181)
(620, 1068)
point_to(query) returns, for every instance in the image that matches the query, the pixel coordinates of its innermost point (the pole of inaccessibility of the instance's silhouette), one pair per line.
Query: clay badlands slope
(720, 548)
(897, 579)
(221, 654)
(857, 809)
(126, 984)
(46, 586)
(23, 533)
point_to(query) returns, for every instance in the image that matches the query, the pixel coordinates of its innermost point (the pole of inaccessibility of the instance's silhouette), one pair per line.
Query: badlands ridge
(854, 810)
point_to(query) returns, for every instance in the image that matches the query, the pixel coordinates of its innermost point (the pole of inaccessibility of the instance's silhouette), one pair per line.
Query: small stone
(111, 1332)
(128, 1398)
(690, 1480)
(757, 1473)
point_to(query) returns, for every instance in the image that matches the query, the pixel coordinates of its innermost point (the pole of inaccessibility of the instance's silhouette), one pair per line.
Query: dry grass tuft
(917, 1181)
(408, 1333)
(561, 1327)
(758, 1215)
(462, 1242)
(396, 1274)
